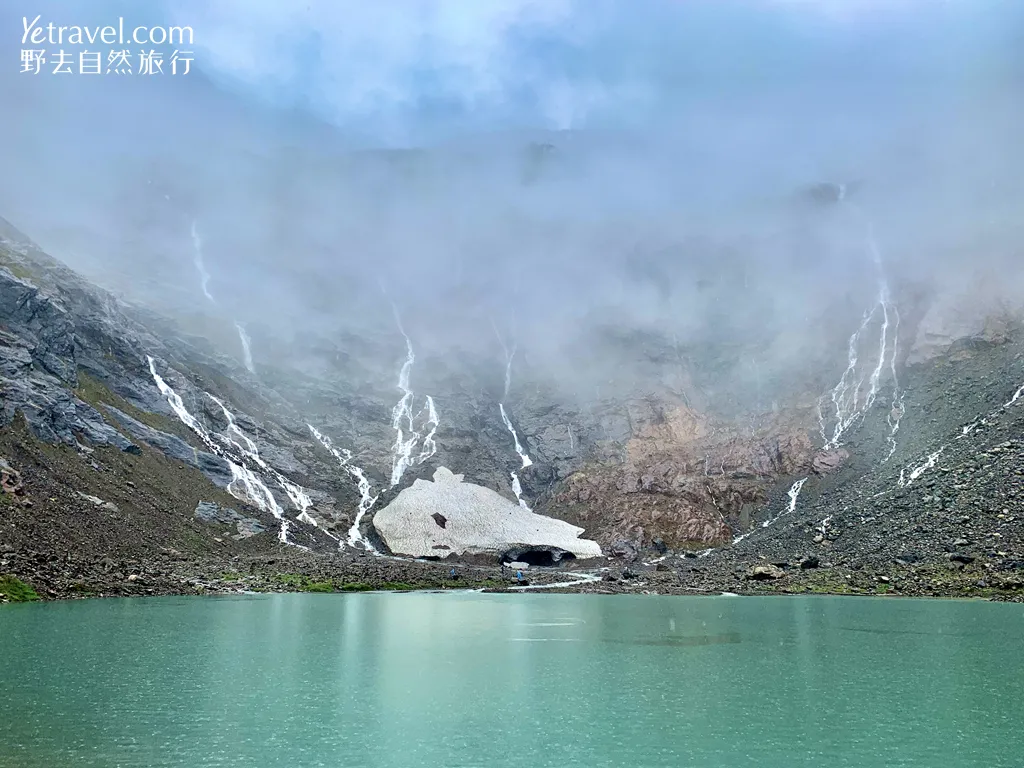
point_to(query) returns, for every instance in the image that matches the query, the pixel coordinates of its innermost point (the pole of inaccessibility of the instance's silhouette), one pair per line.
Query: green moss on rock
(15, 590)
(15, 267)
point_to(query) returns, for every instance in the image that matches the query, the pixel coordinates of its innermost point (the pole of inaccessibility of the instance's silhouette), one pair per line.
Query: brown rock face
(983, 306)
(826, 462)
(684, 479)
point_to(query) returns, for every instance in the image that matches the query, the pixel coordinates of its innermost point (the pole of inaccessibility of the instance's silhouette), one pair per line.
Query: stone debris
(10, 478)
(96, 500)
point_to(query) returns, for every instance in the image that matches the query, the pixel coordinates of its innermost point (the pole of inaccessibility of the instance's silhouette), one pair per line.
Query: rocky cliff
(130, 435)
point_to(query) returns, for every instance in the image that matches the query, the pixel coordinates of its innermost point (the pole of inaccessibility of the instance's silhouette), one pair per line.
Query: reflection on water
(410, 681)
(893, 631)
(680, 642)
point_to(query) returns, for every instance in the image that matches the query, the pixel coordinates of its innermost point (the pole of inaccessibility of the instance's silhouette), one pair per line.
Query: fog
(562, 172)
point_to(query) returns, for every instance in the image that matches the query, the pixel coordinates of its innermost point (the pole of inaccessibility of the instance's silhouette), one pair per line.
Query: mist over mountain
(320, 150)
(632, 226)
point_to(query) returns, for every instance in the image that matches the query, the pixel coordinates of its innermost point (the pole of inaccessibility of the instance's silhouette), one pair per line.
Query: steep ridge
(84, 372)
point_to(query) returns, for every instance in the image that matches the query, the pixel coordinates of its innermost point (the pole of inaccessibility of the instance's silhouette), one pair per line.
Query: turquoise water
(412, 680)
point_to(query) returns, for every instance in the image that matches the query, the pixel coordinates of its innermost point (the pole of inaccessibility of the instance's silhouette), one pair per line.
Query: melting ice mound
(448, 516)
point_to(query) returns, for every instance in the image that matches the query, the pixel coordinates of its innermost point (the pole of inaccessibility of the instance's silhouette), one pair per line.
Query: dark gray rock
(214, 467)
(626, 550)
(38, 368)
(42, 323)
(209, 512)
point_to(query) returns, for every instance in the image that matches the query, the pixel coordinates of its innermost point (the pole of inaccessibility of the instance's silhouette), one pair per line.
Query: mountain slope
(127, 438)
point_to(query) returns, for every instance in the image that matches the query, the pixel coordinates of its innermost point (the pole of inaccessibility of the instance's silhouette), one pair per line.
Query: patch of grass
(387, 586)
(824, 582)
(96, 393)
(355, 586)
(489, 583)
(397, 586)
(318, 586)
(290, 579)
(18, 270)
(303, 583)
(231, 576)
(16, 590)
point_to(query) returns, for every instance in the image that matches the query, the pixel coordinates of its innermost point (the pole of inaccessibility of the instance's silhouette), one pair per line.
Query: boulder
(765, 573)
(10, 478)
(624, 549)
(98, 502)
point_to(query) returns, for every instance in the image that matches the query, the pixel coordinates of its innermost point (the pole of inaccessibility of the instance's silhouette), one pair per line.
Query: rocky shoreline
(55, 577)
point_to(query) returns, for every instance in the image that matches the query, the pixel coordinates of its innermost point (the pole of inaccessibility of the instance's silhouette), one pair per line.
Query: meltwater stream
(416, 680)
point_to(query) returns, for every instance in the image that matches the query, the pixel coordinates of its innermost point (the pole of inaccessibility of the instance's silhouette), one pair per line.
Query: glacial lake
(410, 680)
